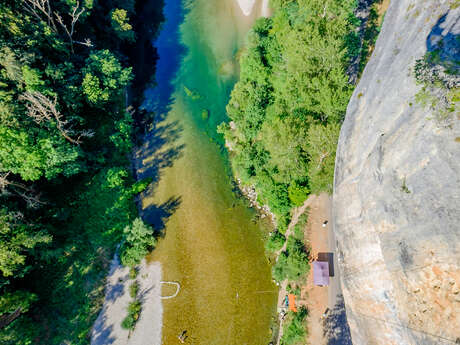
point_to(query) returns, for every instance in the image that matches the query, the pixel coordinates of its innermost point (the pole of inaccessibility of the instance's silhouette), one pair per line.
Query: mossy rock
(194, 95)
(205, 114)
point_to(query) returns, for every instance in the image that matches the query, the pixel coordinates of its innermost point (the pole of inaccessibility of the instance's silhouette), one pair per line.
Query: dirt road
(331, 329)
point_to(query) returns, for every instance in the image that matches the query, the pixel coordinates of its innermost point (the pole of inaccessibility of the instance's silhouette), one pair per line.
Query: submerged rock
(397, 191)
(204, 114)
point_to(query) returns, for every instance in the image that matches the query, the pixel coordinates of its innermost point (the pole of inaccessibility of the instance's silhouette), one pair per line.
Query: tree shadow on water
(158, 215)
(171, 51)
(159, 151)
(161, 148)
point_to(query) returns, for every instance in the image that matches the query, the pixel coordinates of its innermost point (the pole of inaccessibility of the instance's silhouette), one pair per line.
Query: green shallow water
(211, 243)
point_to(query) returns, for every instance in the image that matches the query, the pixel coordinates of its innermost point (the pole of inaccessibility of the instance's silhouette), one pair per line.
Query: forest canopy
(66, 189)
(286, 110)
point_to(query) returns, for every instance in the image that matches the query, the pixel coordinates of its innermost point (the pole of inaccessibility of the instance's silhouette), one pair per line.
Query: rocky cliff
(397, 189)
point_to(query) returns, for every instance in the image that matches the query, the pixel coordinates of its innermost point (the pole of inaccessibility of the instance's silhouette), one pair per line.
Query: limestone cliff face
(397, 192)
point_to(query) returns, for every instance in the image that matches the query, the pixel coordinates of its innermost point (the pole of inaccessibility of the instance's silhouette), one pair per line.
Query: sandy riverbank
(107, 329)
(247, 7)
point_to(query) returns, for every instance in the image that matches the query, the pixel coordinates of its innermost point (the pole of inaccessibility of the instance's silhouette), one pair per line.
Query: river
(211, 243)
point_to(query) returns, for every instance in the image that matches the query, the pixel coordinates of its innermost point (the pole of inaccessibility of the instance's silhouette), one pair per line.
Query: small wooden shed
(321, 273)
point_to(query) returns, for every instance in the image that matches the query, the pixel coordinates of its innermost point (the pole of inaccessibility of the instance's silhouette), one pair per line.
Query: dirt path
(298, 211)
(316, 298)
(295, 219)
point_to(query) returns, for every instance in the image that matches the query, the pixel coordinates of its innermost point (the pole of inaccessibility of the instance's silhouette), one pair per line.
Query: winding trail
(298, 211)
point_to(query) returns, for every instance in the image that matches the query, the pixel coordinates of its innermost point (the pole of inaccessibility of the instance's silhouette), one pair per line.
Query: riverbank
(107, 329)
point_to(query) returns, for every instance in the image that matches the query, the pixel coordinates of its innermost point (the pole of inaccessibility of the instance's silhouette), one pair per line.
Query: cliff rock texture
(397, 190)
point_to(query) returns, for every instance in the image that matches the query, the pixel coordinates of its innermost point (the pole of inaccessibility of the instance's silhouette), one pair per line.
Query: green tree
(120, 24)
(295, 328)
(32, 78)
(322, 144)
(33, 153)
(290, 99)
(13, 304)
(297, 193)
(139, 240)
(284, 139)
(275, 241)
(17, 240)
(55, 91)
(104, 78)
(293, 263)
(122, 137)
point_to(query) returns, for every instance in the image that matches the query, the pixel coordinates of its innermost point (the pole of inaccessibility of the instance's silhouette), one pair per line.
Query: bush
(131, 256)
(440, 91)
(295, 290)
(297, 194)
(322, 143)
(293, 263)
(141, 185)
(132, 273)
(295, 329)
(299, 228)
(133, 289)
(134, 310)
(275, 241)
(283, 222)
(139, 241)
(128, 322)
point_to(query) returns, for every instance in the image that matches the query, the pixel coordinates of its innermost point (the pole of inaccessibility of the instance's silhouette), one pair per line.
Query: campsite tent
(292, 306)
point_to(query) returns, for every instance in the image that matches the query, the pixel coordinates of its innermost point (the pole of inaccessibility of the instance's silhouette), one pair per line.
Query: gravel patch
(107, 329)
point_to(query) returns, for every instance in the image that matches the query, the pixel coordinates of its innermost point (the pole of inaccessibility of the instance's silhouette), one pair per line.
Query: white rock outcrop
(397, 192)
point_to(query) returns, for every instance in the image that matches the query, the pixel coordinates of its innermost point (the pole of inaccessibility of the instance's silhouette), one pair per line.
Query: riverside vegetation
(285, 115)
(67, 192)
(292, 95)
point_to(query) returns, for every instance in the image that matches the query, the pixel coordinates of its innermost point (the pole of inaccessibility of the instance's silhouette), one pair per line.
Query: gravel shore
(107, 328)
(246, 6)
